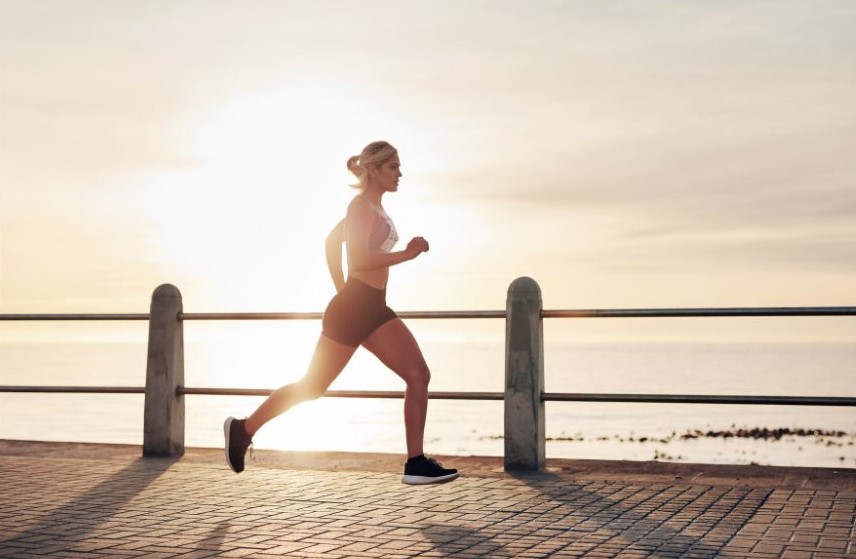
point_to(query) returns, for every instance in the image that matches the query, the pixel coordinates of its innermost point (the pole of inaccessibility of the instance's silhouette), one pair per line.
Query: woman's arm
(363, 257)
(333, 250)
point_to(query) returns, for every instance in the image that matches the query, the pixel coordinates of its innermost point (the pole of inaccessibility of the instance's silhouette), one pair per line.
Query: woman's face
(387, 174)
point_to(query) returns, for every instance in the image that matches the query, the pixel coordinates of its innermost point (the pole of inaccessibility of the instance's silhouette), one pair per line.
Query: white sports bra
(391, 234)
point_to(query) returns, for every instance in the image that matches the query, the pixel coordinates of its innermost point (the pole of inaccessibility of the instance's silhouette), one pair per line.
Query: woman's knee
(307, 389)
(419, 376)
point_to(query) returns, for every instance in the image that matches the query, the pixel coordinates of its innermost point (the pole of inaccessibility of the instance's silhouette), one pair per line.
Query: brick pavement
(57, 501)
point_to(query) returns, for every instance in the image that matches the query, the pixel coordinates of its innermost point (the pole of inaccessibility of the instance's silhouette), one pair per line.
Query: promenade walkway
(76, 501)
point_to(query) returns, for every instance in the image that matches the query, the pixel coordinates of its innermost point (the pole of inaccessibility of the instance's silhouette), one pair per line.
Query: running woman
(358, 315)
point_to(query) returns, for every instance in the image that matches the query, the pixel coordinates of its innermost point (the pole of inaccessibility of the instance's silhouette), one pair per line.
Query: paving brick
(130, 507)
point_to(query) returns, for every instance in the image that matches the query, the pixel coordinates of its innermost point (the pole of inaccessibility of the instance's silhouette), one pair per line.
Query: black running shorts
(355, 312)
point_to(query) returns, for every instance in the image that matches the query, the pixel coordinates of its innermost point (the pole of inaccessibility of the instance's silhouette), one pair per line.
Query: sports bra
(385, 235)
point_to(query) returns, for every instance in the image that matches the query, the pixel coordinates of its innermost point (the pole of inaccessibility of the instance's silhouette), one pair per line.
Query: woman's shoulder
(359, 205)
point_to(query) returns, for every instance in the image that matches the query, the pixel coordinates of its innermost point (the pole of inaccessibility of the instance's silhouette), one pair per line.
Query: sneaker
(422, 470)
(237, 443)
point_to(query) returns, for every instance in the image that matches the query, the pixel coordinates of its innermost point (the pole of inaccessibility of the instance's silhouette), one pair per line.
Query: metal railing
(524, 394)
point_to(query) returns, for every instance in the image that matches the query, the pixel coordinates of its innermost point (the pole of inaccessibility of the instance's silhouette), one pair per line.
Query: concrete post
(524, 377)
(163, 427)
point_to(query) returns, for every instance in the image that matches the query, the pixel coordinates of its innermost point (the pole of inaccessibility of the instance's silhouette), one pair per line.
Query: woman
(358, 315)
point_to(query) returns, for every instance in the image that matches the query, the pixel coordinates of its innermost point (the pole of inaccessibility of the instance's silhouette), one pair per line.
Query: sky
(623, 154)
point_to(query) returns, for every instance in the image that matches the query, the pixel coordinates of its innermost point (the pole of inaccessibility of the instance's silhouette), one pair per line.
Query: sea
(267, 354)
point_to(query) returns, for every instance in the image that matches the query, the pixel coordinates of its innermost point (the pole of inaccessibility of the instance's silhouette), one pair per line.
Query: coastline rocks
(828, 437)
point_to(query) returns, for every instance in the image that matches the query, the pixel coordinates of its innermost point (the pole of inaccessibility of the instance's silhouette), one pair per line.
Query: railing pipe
(834, 401)
(761, 400)
(72, 316)
(701, 312)
(367, 394)
(556, 313)
(45, 389)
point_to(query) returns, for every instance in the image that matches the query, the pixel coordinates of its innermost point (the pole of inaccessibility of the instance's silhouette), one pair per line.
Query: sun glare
(245, 220)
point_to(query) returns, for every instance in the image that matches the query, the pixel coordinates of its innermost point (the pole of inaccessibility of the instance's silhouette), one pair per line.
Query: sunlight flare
(247, 218)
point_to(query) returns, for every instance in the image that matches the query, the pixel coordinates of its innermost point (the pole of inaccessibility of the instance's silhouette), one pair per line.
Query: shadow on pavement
(658, 521)
(70, 523)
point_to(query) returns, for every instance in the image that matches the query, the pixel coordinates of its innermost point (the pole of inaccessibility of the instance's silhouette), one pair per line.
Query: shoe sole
(425, 480)
(227, 428)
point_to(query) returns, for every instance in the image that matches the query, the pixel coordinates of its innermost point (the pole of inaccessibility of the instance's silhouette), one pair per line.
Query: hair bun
(355, 167)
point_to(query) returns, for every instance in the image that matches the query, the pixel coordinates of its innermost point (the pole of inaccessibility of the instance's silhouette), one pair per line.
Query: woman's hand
(416, 246)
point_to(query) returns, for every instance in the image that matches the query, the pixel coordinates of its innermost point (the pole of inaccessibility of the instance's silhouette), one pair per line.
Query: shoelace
(434, 463)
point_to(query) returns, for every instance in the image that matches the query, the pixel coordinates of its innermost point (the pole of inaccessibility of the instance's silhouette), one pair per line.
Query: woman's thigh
(396, 347)
(327, 363)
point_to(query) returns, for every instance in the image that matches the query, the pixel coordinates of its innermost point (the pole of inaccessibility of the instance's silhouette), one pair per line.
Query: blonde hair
(376, 153)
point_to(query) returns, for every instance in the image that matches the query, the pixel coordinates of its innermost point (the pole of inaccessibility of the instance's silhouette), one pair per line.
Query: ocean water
(266, 355)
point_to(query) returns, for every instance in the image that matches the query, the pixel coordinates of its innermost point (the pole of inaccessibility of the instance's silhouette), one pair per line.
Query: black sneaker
(421, 471)
(237, 443)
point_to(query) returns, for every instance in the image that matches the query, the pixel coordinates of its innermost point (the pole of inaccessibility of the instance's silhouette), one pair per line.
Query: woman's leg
(395, 346)
(328, 361)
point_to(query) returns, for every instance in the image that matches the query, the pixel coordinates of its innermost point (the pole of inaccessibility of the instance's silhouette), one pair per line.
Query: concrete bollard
(163, 423)
(524, 377)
